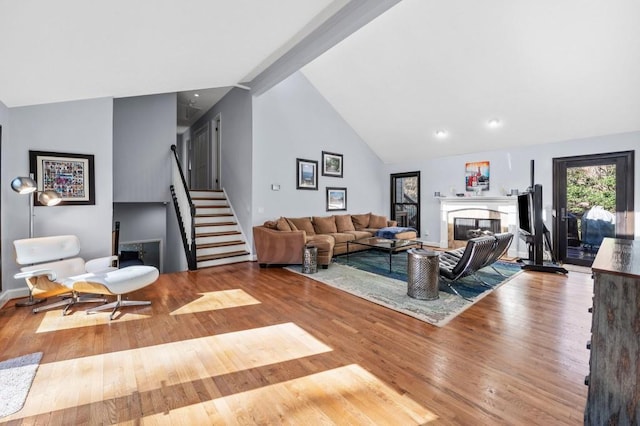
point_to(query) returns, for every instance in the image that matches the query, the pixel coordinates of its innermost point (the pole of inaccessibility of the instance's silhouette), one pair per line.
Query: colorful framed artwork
(72, 176)
(336, 199)
(477, 176)
(307, 174)
(331, 164)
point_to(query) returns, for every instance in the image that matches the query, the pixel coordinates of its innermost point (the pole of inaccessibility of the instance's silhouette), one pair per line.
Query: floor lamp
(27, 185)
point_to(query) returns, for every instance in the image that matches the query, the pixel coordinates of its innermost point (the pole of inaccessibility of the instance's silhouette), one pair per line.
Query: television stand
(528, 265)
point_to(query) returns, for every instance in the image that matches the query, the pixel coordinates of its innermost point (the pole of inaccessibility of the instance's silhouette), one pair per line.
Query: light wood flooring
(237, 344)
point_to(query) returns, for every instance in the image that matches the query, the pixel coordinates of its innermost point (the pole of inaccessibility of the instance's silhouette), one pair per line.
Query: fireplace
(486, 213)
(465, 228)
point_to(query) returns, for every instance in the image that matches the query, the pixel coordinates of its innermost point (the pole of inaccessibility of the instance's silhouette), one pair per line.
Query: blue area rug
(377, 262)
(374, 283)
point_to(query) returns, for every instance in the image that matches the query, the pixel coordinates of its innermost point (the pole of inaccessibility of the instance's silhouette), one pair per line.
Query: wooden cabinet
(614, 367)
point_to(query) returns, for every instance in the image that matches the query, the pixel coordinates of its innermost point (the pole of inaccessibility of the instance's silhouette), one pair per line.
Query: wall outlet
(426, 233)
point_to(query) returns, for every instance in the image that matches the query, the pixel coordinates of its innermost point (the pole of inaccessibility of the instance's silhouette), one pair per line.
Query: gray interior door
(201, 158)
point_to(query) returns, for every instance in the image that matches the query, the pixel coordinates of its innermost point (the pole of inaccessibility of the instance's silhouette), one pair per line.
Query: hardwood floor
(237, 344)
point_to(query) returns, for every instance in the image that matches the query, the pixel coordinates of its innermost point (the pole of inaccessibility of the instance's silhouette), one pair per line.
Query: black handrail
(189, 251)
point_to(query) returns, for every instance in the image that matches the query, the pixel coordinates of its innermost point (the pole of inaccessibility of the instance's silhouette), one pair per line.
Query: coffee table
(385, 244)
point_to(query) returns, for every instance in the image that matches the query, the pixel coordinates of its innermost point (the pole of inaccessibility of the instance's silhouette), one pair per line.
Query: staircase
(219, 240)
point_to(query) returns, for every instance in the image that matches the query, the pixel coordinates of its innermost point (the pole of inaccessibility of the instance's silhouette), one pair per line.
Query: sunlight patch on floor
(53, 320)
(118, 374)
(215, 300)
(344, 395)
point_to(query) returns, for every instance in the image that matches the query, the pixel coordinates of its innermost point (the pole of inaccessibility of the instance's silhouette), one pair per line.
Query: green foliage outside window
(591, 186)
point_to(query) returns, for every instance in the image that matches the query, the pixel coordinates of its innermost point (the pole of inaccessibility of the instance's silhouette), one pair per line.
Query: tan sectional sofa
(281, 242)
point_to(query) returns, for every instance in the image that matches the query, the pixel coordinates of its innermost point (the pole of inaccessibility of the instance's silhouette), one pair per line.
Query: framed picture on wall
(72, 176)
(336, 199)
(476, 176)
(306, 174)
(331, 164)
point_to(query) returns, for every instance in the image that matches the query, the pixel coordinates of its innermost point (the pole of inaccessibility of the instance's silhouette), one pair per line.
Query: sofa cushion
(324, 225)
(340, 237)
(360, 221)
(376, 221)
(358, 235)
(302, 224)
(283, 225)
(344, 223)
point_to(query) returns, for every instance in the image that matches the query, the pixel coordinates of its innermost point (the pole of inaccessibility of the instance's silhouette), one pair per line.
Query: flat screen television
(525, 216)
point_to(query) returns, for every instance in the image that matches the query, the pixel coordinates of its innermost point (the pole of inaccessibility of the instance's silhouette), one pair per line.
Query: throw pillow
(303, 224)
(325, 225)
(360, 221)
(376, 221)
(344, 223)
(283, 225)
(271, 224)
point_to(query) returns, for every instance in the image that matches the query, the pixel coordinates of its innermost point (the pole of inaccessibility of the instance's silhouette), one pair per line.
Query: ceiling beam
(353, 16)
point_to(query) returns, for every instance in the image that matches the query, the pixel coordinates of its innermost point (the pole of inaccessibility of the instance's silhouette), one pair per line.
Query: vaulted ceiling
(545, 70)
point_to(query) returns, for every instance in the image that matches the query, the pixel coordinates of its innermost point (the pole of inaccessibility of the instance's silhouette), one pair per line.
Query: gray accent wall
(4, 118)
(235, 151)
(293, 120)
(82, 127)
(144, 128)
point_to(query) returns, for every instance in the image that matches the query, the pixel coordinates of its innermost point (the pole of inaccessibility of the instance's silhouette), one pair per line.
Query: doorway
(592, 200)
(200, 154)
(405, 199)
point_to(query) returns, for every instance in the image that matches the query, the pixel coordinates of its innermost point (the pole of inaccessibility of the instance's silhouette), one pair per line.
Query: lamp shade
(23, 185)
(49, 198)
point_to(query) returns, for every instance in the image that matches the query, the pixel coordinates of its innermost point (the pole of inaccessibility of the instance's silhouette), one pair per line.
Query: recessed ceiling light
(197, 95)
(441, 133)
(494, 123)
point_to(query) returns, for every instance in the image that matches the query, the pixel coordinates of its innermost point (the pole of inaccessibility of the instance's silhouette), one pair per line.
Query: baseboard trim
(14, 293)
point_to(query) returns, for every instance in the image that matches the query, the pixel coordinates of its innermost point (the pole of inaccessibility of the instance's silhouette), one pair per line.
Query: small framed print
(331, 164)
(307, 174)
(70, 175)
(336, 199)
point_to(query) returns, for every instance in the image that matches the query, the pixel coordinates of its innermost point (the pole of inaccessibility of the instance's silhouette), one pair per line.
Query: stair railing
(184, 206)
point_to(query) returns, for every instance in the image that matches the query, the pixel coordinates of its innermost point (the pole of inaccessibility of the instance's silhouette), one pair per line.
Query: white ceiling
(549, 70)
(64, 50)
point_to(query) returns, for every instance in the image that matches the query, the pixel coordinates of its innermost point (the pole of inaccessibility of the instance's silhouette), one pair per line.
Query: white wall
(82, 127)
(509, 169)
(293, 120)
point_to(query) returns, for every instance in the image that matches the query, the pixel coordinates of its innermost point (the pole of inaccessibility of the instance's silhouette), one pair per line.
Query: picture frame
(332, 164)
(336, 199)
(72, 176)
(476, 176)
(306, 174)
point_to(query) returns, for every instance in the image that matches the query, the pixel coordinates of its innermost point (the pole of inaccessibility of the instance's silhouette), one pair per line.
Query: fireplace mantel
(507, 205)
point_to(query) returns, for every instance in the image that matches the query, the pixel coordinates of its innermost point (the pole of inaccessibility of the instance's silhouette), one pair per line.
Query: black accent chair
(473, 257)
(502, 244)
